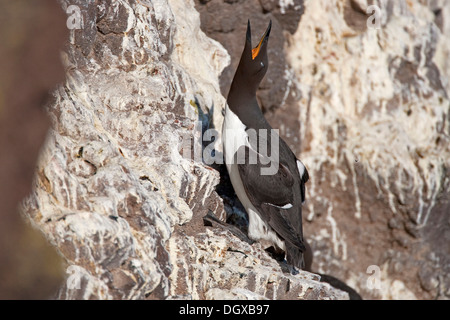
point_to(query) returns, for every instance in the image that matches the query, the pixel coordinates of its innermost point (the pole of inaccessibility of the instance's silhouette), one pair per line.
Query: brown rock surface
(117, 189)
(30, 67)
(370, 119)
(367, 110)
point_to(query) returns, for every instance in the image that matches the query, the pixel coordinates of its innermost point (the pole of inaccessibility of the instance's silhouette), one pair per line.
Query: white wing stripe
(286, 206)
(301, 168)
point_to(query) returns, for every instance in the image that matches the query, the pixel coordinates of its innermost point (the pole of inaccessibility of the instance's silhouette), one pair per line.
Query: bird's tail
(294, 256)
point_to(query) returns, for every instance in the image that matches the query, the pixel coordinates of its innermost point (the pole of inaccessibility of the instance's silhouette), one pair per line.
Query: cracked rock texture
(119, 189)
(365, 104)
(376, 114)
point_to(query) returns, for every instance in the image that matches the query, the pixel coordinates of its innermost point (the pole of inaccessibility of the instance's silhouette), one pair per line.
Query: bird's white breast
(233, 135)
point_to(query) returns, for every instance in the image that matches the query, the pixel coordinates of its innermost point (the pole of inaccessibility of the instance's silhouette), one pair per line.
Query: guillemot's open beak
(265, 36)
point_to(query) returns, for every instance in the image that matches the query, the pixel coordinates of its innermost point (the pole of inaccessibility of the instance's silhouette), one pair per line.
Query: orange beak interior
(255, 51)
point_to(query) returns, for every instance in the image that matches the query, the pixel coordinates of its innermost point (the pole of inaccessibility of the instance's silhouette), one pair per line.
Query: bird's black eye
(262, 64)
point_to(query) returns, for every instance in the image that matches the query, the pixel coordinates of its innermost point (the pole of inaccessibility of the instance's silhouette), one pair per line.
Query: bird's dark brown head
(254, 62)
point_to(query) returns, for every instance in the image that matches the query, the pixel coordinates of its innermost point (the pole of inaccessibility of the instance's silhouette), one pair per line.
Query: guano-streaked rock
(112, 190)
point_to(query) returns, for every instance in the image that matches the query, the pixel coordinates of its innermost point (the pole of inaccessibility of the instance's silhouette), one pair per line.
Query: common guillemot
(272, 198)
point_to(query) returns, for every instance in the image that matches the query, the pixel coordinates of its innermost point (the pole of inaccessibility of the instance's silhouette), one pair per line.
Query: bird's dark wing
(279, 221)
(273, 189)
(273, 196)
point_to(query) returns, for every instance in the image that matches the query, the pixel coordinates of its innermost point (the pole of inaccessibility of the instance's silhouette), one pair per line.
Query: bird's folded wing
(278, 220)
(273, 189)
(272, 195)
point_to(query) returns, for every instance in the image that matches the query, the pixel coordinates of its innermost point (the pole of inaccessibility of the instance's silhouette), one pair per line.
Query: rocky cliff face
(120, 189)
(376, 136)
(364, 102)
(117, 189)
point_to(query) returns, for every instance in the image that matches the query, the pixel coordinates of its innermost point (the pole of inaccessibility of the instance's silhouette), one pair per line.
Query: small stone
(428, 279)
